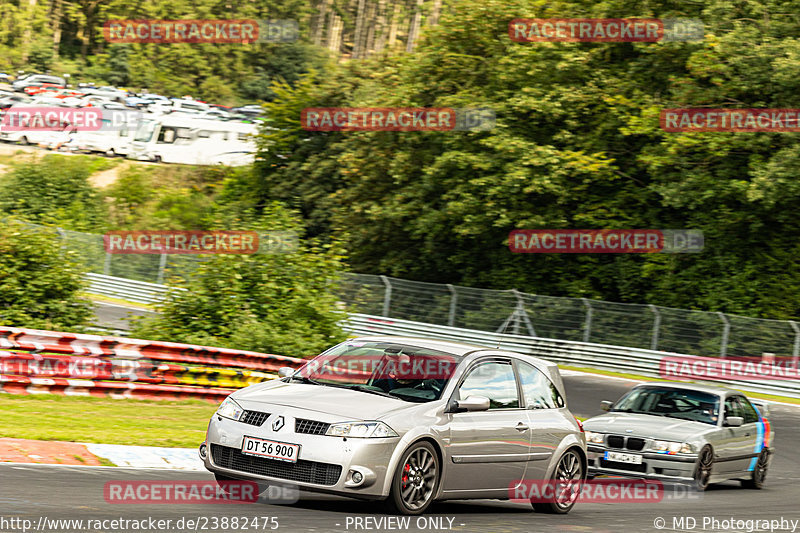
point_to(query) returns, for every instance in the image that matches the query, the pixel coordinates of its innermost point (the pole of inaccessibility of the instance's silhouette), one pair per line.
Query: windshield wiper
(364, 388)
(304, 379)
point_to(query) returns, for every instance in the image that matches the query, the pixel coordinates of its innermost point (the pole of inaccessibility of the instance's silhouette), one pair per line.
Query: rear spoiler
(762, 406)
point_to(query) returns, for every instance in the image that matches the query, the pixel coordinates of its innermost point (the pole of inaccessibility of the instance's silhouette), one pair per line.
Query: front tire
(759, 474)
(568, 478)
(705, 465)
(416, 479)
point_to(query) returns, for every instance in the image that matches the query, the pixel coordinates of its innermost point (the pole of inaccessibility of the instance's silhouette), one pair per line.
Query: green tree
(55, 190)
(40, 281)
(276, 303)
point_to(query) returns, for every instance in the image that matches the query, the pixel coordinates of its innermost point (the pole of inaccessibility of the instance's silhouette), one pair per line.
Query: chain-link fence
(576, 319)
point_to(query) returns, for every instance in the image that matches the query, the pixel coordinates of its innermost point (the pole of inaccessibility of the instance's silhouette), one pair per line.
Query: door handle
(747, 434)
(522, 427)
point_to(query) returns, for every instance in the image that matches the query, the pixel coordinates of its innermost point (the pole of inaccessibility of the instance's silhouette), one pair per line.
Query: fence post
(451, 317)
(162, 264)
(656, 327)
(587, 328)
(726, 331)
(796, 348)
(107, 264)
(387, 295)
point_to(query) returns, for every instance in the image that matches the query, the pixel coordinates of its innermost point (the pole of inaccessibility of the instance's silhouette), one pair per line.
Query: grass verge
(105, 420)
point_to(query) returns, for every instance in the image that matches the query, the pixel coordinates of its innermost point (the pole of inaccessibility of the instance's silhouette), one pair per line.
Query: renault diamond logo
(278, 423)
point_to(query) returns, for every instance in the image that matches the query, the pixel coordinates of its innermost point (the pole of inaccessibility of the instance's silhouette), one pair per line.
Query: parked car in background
(692, 433)
(38, 80)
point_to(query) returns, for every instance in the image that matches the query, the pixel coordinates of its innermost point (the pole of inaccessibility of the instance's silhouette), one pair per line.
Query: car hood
(348, 404)
(653, 426)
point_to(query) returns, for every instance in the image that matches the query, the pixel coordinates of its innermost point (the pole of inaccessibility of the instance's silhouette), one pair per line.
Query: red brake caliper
(406, 469)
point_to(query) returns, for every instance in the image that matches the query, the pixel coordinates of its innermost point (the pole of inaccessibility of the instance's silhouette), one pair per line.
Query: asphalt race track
(55, 492)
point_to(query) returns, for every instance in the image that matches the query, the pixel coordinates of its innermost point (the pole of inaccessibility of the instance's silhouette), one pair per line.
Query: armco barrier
(35, 361)
(582, 354)
(127, 289)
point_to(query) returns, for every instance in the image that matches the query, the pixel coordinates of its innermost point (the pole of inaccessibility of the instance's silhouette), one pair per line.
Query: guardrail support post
(656, 327)
(162, 264)
(451, 317)
(587, 327)
(107, 264)
(522, 314)
(726, 331)
(796, 348)
(387, 295)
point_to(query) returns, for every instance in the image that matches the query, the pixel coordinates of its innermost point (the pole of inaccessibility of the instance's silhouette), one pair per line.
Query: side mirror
(473, 403)
(285, 371)
(734, 421)
(606, 405)
(762, 406)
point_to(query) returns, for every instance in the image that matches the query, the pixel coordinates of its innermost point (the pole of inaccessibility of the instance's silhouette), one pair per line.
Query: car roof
(699, 387)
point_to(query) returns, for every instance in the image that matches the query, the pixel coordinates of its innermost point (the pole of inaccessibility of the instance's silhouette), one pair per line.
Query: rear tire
(416, 479)
(705, 465)
(568, 478)
(759, 474)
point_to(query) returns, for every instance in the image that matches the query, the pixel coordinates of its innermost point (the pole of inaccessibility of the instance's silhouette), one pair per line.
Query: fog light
(202, 451)
(357, 477)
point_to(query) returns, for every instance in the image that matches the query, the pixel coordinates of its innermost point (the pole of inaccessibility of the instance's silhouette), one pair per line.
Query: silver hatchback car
(692, 433)
(404, 420)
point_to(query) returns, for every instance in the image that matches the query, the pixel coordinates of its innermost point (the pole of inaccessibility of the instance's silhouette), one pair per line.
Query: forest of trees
(65, 37)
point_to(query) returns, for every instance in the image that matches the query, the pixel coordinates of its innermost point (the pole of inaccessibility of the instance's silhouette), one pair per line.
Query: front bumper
(679, 467)
(325, 463)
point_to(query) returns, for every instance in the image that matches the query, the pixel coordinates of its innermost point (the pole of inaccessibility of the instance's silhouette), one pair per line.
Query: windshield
(145, 131)
(401, 371)
(673, 403)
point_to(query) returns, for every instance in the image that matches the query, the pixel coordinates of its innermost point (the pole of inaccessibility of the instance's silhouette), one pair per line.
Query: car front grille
(310, 427)
(303, 471)
(623, 466)
(631, 443)
(254, 418)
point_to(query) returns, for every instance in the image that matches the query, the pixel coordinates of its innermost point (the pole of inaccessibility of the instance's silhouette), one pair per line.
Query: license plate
(283, 451)
(624, 458)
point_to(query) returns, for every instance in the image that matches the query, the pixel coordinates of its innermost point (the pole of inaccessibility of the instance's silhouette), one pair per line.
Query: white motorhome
(112, 139)
(188, 140)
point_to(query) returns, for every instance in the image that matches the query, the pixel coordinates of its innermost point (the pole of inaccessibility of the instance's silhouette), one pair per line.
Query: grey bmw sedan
(404, 420)
(693, 433)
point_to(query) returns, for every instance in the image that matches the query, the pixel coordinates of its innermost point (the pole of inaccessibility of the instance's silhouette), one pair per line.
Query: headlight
(665, 446)
(230, 409)
(595, 438)
(361, 430)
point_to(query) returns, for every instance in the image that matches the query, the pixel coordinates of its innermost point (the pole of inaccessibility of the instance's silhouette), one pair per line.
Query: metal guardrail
(639, 361)
(126, 289)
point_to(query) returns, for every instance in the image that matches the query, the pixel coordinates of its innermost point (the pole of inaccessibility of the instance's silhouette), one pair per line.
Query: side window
(166, 135)
(750, 414)
(538, 390)
(732, 407)
(494, 380)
